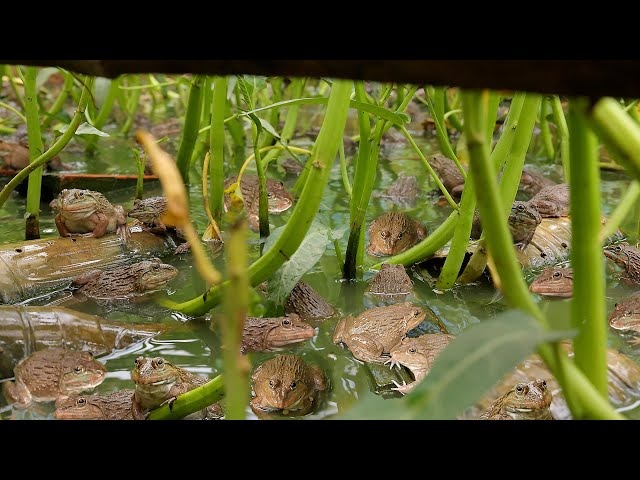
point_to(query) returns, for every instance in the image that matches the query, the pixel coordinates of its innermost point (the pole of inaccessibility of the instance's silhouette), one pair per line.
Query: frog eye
(628, 313)
(281, 184)
(412, 350)
(400, 235)
(157, 362)
(81, 402)
(286, 322)
(269, 194)
(78, 369)
(556, 274)
(293, 385)
(544, 383)
(272, 384)
(416, 313)
(384, 234)
(155, 266)
(521, 208)
(522, 389)
(139, 361)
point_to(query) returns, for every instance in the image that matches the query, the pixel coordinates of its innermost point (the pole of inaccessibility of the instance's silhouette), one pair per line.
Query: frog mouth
(531, 413)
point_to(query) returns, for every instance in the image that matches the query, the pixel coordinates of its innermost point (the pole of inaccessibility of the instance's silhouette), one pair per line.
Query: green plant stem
(131, 102)
(563, 131)
(450, 115)
(236, 131)
(191, 127)
(14, 87)
(54, 149)
(105, 111)
(588, 311)
(501, 151)
(628, 201)
(343, 171)
(203, 141)
(14, 110)
(216, 142)
(191, 401)
(35, 150)
(56, 107)
(263, 201)
(441, 129)
(323, 156)
(547, 141)
(140, 162)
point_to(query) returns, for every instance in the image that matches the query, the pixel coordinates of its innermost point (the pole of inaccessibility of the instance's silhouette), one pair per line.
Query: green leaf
(472, 364)
(43, 76)
(268, 127)
(101, 88)
(558, 313)
(84, 129)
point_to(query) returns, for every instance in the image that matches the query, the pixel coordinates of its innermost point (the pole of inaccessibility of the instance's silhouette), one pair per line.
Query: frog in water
(371, 335)
(523, 221)
(418, 354)
(46, 374)
(391, 282)
(158, 382)
(525, 401)
(286, 383)
(149, 213)
(110, 406)
(626, 257)
(404, 190)
(15, 156)
(125, 282)
(449, 174)
(308, 304)
(554, 282)
(552, 201)
(392, 233)
(88, 212)
(531, 182)
(261, 334)
(278, 196)
(626, 316)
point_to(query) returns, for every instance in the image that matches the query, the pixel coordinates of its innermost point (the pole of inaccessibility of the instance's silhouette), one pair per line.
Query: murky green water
(194, 346)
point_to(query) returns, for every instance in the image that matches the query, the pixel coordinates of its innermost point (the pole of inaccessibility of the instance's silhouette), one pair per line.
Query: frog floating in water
(125, 282)
(47, 374)
(403, 191)
(625, 316)
(525, 401)
(375, 332)
(552, 201)
(110, 406)
(531, 182)
(626, 257)
(392, 233)
(88, 212)
(554, 282)
(15, 156)
(150, 214)
(523, 221)
(261, 334)
(449, 174)
(391, 283)
(286, 383)
(308, 304)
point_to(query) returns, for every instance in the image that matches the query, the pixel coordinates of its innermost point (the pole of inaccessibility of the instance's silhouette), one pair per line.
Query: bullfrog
(279, 198)
(449, 174)
(88, 212)
(286, 383)
(626, 316)
(149, 213)
(158, 382)
(308, 304)
(554, 282)
(418, 354)
(552, 201)
(125, 282)
(404, 190)
(15, 156)
(523, 221)
(525, 401)
(260, 334)
(392, 233)
(531, 182)
(110, 406)
(626, 257)
(391, 281)
(371, 335)
(47, 374)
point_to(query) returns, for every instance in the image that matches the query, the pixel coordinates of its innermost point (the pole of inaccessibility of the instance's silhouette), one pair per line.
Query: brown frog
(392, 281)
(110, 406)
(308, 304)
(125, 282)
(552, 201)
(158, 382)
(525, 401)
(418, 354)
(449, 174)
(286, 383)
(531, 182)
(88, 212)
(261, 334)
(371, 335)
(15, 156)
(150, 214)
(47, 374)
(392, 233)
(626, 316)
(404, 190)
(554, 282)
(523, 221)
(627, 258)
(278, 196)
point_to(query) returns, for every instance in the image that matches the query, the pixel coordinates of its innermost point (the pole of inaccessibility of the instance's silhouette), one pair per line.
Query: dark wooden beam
(594, 78)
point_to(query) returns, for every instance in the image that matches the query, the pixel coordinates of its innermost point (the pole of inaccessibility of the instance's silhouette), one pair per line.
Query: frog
(88, 213)
(554, 282)
(625, 316)
(262, 334)
(523, 221)
(392, 233)
(125, 282)
(47, 374)
(626, 257)
(417, 354)
(531, 182)
(286, 383)
(449, 174)
(552, 201)
(158, 381)
(107, 406)
(525, 401)
(150, 215)
(375, 332)
(391, 281)
(308, 304)
(15, 156)
(403, 191)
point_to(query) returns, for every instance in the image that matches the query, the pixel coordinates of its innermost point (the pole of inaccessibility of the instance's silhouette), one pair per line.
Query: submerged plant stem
(190, 129)
(32, 230)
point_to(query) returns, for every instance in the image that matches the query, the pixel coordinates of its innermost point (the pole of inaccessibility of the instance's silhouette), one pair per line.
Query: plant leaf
(43, 76)
(101, 88)
(84, 129)
(268, 127)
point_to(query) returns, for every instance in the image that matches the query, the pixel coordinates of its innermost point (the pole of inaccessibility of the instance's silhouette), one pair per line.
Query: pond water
(196, 347)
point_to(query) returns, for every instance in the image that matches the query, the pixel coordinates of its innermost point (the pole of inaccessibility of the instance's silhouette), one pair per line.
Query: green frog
(531, 182)
(626, 316)
(125, 282)
(391, 281)
(45, 375)
(286, 383)
(449, 174)
(525, 401)
(523, 221)
(375, 332)
(392, 233)
(403, 191)
(418, 354)
(159, 382)
(552, 201)
(88, 212)
(261, 334)
(308, 304)
(626, 257)
(109, 406)
(554, 282)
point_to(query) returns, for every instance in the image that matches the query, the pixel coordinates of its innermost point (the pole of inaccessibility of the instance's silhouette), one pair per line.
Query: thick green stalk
(263, 201)
(203, 142)
(343, 170)
(547, 141)
(191, 401)
(441, 129)
(131, 103)
(62, 97)
(628, 201)
(588, 310)
(563, 131)
(216, 142)
(32, 229)
(501, 151)
(140, 162)
(322, 159)
(236, 131)
(191, 127)
(54, 149)
(274, 114)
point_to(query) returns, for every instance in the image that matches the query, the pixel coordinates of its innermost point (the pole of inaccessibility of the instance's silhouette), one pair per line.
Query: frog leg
(17, 393)
(421, 231)
(158, 229)
(522, 244)
(121, 225)
(182, 248)
(137, 411)
(366, 348)
(62, 229)
(404, 388)
(260, 410)
(102, 223)
(318, 377)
